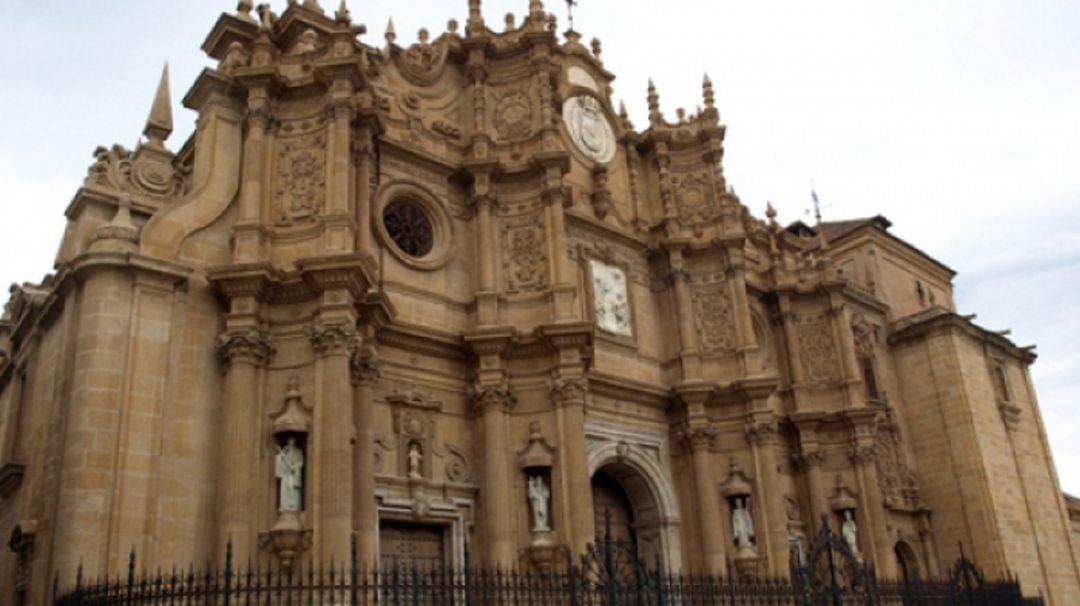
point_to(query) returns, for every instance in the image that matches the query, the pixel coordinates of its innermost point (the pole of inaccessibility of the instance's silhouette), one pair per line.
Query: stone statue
(850, 531)
(416, 460)
(538, 496)
(742, 524)
(289, 465)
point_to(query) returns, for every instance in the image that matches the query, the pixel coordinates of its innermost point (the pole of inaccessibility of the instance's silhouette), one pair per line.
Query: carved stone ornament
(525, 259)
(251, 346)
(736, 484)
(301, 178)
(697, 438)
(842, 498)
(589, 128)
(538, 453)
(492, 397)
(694, 200)
(294, 415)
(288, 539)
(144, 172)
(712, 314)
(423, 62)
(817, 350)
(332, 339)
(513, 115)
(569, 391)
(611, 305)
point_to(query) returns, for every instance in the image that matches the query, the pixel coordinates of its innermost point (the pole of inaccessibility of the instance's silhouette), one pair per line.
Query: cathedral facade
(445, 297)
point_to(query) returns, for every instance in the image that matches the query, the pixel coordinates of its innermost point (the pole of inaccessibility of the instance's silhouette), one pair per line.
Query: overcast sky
(958, 120)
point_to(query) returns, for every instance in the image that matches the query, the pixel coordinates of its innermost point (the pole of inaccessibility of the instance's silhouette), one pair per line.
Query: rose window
(409, 227)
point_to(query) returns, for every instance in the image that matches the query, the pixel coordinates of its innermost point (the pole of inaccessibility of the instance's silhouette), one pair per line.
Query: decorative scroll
(525, 261)
(712, 314)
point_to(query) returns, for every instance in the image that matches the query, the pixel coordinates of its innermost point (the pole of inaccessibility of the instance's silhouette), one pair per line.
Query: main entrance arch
(633, 489)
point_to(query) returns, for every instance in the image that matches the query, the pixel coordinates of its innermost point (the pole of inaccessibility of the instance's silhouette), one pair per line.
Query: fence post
(130, 577)
(730, 580)
(570, 576)
(78, 584)
(228, 570)
(352, 570)
(468, 580)
(659, 581)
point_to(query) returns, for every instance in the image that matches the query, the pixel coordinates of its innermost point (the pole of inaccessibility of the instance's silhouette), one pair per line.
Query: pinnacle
(159, 124)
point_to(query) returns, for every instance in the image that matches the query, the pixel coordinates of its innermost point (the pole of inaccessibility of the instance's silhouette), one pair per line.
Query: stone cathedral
(445, 298)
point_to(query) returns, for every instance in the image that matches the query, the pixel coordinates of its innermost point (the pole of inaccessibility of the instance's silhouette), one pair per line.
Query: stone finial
(266, 17)
(595, 44)
(654, 104)
(423, 36)
(391, 33)
(475, 25)
(342, 15)
(452, 26)
(552, 24)
(509, 21)
(243, 11)
(770, 212)
(707, 93)
(313, 5)
(119, 234)
(536, 9)
(159, 124)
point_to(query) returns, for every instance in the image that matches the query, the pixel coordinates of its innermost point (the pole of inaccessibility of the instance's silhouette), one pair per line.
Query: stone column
(331, 477)
(244, 351)
(863, 456)
(698, 440)
(340, 228)
(365, 374)
(569, 395)
(87, 470)
(366, 187)
(744, 328)
(493, 404)
(811, 458)
(247, 243)
(761, 435)
(688, 340)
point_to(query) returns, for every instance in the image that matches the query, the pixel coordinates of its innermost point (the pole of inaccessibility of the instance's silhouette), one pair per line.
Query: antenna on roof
(570, 4)
(817, 205)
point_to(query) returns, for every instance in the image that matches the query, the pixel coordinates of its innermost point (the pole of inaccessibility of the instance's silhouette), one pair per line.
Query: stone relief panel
(513, 115)
(895, 478)
(694, 200)
(817, 349)
(137, 173)
(713, 317)
(523, 240)
(589, 128)
(611, 304)
(300, 193)
(423, 62)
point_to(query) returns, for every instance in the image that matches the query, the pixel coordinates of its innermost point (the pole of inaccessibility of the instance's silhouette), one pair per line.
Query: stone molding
(332, 339)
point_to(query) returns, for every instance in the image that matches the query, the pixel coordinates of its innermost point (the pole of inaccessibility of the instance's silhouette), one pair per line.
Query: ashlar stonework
(446, 293)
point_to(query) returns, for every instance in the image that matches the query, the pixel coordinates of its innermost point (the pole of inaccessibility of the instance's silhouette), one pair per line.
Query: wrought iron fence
(610, 574)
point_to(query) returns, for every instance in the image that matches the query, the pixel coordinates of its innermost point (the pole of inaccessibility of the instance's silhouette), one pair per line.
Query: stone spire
(707, 93)
(159, 124)
(391, 33)
(475, 25)
(342, 15)
(654, 104)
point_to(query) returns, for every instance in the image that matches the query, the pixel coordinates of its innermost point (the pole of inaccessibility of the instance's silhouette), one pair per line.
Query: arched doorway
(906, 561)
(612, 509)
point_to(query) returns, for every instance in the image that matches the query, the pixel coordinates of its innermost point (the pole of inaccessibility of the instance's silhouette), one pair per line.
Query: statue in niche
(850, 531)
(539, 494)
(416, 461)
(742, 523)
(289, 466)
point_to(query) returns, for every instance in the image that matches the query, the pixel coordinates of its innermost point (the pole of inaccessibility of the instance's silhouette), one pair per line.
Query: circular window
(409, 227)
(414, 225)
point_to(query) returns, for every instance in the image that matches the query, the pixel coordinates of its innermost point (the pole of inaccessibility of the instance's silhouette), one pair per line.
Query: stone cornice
(938, 320)
(422, 339)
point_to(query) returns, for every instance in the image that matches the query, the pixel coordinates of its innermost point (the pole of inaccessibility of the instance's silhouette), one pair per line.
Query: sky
(959, 120)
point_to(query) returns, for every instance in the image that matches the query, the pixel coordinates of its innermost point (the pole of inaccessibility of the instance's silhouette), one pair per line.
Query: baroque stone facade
(446, 293)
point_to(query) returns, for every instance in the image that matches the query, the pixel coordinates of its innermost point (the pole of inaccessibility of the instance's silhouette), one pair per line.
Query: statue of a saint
(538, 497)
(850, 531)
(742, 524)
(289, 464)
(416, 460)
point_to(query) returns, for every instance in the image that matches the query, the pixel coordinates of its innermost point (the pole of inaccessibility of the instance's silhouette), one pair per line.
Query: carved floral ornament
(423, 62)
(251, 345)
(589, 128)
(136, 173)
(300, 194)
(492, 397)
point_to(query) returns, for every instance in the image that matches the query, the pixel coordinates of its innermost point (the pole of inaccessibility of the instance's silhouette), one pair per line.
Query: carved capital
(862, 454)
(331, 340)
(697, 438)
(492, 397)
(250, 346)
(569, 392)
(761, 433)
(808, 458)
(364, 364)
